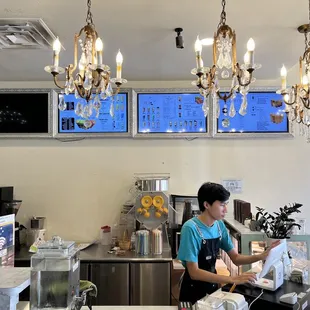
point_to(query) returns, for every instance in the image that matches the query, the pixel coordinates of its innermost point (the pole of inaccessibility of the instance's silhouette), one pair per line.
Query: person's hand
(264, 255)
(244, 278)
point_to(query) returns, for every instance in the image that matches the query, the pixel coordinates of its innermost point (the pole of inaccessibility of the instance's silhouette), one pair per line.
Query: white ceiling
(144, 31)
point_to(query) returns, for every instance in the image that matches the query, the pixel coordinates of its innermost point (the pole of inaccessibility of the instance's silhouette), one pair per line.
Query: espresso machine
(10, 206)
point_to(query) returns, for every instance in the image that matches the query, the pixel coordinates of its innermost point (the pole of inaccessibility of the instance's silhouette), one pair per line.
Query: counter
(25, 306)
(99, 253)
(121, 280)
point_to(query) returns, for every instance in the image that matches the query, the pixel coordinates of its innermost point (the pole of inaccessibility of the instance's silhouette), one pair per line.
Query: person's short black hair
(211, 192)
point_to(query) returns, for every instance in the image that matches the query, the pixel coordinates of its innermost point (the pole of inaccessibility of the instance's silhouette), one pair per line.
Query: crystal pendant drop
(103, 95)
(109, 90)
(76, 94)
(205, 107)
(79, 109)
(243, 107)
(62, 105)
(234, 83)
(71, 85)
(225, 74)
(87, 111)
(232, 110)
(87, 82)
(112, 108)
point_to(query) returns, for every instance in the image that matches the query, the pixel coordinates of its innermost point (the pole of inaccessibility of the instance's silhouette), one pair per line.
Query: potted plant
(278, 225)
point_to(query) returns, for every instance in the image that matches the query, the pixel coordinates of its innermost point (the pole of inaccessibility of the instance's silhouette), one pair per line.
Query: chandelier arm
(76, 37)
(225, 97)
(118, 88)
(79, 90)
(295, 96)
(307, 106)
(56, 82)
(94, 37)
(234, 51)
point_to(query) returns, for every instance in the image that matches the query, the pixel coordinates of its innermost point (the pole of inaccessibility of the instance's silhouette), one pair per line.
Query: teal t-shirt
(191, 240)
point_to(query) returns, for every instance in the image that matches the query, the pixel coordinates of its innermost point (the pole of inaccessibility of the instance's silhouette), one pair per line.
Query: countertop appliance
(55, 276)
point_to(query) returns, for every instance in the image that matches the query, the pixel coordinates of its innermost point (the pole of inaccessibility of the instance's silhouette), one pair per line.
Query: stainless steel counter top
(99, 253)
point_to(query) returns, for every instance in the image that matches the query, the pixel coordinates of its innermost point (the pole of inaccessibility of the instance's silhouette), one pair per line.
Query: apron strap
(220, 231)
(198, 229)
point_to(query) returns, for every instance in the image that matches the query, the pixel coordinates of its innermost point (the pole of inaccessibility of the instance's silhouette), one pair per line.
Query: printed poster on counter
(7, 238)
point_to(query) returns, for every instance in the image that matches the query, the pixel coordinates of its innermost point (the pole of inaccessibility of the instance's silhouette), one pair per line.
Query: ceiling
(144, 31)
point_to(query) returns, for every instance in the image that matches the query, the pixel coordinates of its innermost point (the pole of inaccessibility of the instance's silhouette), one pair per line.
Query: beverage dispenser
(55, 276)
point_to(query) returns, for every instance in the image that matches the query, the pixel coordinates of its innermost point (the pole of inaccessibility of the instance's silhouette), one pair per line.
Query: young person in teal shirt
(201, 239)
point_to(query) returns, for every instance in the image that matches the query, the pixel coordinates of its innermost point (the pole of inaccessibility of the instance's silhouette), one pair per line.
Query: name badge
(208, 257)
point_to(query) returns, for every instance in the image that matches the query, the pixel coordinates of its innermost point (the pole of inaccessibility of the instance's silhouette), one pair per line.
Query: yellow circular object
(147, 214)
(146, 201)
(158, 201)
(140, 210)
(158, 214)
(165, 210)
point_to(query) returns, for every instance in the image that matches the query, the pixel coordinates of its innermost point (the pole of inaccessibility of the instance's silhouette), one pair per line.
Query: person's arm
(206, 276)
(239, 259)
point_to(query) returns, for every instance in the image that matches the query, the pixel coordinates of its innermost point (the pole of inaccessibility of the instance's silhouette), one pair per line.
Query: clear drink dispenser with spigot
(55, 276)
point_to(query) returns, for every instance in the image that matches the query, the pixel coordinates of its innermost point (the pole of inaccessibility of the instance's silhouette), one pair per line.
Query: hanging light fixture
(297, 97)
(225, 63)
(92, 82)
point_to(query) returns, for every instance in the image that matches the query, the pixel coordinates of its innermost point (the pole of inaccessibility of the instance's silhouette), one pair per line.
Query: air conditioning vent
(25, 33)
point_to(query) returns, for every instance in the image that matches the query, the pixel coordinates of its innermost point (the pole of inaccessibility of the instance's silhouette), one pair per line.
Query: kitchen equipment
(55, 276)
(37, 222)
(155, 182)
(221, 300)
(105, 235)
(35, 234)
(182, 208)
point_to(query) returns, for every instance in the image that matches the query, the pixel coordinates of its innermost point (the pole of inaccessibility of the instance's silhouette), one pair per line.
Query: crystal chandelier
(92, 82)
(297, 97)
(225, 63)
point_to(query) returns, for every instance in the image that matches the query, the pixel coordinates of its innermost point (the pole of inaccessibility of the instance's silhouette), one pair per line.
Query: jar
(105, 235)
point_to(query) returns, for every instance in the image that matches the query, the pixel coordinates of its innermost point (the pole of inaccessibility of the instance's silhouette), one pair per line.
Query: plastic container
(142, 242)
(105, 235)
(157, 242)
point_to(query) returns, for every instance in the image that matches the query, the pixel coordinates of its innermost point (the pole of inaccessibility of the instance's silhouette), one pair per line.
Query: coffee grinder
(10, 206)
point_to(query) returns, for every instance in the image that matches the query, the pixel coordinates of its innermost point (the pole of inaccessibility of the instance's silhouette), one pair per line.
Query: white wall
(80, 186)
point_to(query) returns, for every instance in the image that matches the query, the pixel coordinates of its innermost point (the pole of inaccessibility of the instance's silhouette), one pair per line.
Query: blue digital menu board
(171, 113)
(265, 114)
(69, 122)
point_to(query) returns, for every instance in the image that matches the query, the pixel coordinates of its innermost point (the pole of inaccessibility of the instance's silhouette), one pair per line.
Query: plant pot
(269, 241)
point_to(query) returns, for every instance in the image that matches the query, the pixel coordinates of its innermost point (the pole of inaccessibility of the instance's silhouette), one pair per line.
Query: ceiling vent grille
(25, 33)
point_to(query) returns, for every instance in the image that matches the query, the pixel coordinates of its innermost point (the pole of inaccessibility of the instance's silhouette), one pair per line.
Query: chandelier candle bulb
(56, 49)
(305, 80)
(119, 62)
(246, 58)
(251, 48)
(198, 49)
(283, 77)
(99, 49)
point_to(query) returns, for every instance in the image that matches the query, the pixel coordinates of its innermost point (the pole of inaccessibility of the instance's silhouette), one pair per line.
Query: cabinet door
(150, 284)
(112, 281)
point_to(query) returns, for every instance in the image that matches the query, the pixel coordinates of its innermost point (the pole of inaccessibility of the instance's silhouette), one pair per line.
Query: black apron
(193, 290)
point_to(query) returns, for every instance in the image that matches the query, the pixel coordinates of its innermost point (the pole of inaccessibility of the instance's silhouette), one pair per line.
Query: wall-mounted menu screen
(171, 113)
(265, 114)
(24, 113)
(113, 116)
